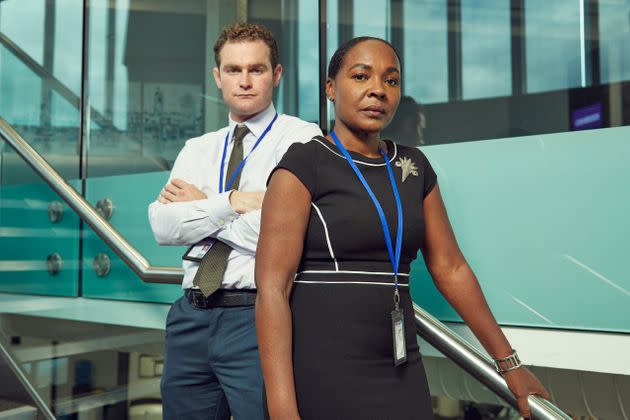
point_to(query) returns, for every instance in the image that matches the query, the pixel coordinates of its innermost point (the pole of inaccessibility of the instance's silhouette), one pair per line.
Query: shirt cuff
(220, 212)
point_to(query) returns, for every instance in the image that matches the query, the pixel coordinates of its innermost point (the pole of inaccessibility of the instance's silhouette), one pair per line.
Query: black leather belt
(221, 298)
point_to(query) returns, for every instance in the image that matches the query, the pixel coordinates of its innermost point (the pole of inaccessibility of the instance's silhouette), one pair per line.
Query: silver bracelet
(509, 363)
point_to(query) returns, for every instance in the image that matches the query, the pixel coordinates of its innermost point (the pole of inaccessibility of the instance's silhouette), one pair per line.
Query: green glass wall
(543, 223)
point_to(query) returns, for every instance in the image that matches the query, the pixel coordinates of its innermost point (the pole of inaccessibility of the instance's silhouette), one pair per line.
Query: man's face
(246, 78)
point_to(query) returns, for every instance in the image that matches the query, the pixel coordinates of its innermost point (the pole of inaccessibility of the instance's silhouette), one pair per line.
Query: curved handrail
(54, 83)
(477, 364)
(126, 251)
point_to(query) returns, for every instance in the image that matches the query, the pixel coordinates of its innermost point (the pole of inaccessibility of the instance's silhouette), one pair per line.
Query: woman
(348, 214)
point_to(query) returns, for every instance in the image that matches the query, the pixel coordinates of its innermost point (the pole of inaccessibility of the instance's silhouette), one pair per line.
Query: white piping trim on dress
(330, 248)
(358, 161)
(374, 273)
(371, 283)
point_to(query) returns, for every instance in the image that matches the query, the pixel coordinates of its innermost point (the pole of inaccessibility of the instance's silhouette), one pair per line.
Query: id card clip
(398, 332)
(197, 251)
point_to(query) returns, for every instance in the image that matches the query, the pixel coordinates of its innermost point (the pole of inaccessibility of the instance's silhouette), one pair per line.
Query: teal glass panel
(458, 84)
(66, 121)
(39, 98)
(307, 59)
(614, 38)
(21, 92)
(40, 77)
(150, 77)
(486, 50)
(68, 43)
(146, 79)
(295, 26)
(543, 223)
(425, 53)
(554, 51)
(333, 35)
(130, 195)
(371, 18)
(28, 238)
(25, 25)
(150, 74)
(332, 28)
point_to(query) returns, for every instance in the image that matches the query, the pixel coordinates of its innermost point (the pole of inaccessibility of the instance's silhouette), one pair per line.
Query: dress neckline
(358, 157)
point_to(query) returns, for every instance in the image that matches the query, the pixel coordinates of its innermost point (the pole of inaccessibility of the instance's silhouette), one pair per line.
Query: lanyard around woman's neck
(394, 254)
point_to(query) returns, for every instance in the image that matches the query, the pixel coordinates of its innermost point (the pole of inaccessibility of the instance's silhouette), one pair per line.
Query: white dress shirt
(198, 163)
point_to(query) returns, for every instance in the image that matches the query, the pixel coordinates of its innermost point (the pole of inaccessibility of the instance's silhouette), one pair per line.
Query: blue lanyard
(239, 168)
(393, 256)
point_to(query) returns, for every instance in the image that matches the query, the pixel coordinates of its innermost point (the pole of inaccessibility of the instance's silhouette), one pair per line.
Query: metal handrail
(477, 364)
(53, 82)
(87, 213)
(30, 389)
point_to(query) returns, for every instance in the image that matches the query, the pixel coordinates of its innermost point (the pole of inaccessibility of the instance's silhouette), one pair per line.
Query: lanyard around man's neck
(239, 168)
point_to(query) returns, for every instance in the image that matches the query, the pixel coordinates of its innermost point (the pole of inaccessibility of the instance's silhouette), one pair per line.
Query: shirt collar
(257, 124)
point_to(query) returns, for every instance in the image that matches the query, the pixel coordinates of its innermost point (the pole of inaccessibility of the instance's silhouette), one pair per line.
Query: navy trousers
(211, 364)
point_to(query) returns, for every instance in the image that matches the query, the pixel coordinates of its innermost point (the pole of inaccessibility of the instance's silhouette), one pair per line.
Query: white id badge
(398, 335)
(197, 251)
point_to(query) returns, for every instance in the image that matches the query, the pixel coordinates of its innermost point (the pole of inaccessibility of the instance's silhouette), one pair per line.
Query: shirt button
(221, 222)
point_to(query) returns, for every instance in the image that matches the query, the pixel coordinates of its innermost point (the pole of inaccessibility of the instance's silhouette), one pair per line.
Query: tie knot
(240, 132)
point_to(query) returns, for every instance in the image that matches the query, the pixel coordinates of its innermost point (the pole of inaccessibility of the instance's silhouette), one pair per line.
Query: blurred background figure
(408, 123)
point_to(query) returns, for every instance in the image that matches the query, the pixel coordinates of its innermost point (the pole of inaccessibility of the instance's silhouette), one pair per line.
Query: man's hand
(244, 202)
(178, 191)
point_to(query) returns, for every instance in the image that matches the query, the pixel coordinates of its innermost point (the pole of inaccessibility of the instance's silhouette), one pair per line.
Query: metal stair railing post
(32, 392)
(126, 251)
(478, 365)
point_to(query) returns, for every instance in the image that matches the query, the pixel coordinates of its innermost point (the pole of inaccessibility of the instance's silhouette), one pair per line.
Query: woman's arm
(456, 281)
(285, 215)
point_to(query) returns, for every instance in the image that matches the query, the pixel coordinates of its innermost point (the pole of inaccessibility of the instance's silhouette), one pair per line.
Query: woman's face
(366, 90)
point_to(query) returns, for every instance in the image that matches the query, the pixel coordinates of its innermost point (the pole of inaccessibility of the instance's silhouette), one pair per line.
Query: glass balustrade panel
(40, 80)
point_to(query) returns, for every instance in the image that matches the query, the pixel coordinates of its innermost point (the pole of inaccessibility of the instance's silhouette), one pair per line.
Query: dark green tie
(212, 266)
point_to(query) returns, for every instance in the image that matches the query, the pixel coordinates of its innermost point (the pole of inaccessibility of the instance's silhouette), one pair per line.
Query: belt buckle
(199, 300)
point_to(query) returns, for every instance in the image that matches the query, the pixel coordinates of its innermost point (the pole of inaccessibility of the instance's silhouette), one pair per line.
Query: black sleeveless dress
(343, 292)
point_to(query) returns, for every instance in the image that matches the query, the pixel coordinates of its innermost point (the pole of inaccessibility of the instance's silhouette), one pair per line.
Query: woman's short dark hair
(337, 59)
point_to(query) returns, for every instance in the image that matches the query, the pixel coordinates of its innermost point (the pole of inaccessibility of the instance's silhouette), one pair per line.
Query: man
(212, 204)
(407, 126)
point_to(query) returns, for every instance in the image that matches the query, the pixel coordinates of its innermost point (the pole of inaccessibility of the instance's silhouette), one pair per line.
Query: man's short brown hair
(243, 31)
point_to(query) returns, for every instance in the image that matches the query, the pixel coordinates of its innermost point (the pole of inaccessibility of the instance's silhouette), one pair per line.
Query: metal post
(345, 16)
(84, 130)
(45, 116)
(519, 57)
(592, 62)
(110, 60)
(454, 50)
(397, 12)
(323, 32)
(39, 402)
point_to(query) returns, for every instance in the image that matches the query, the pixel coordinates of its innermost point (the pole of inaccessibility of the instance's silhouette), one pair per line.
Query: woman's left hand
(523, 383)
